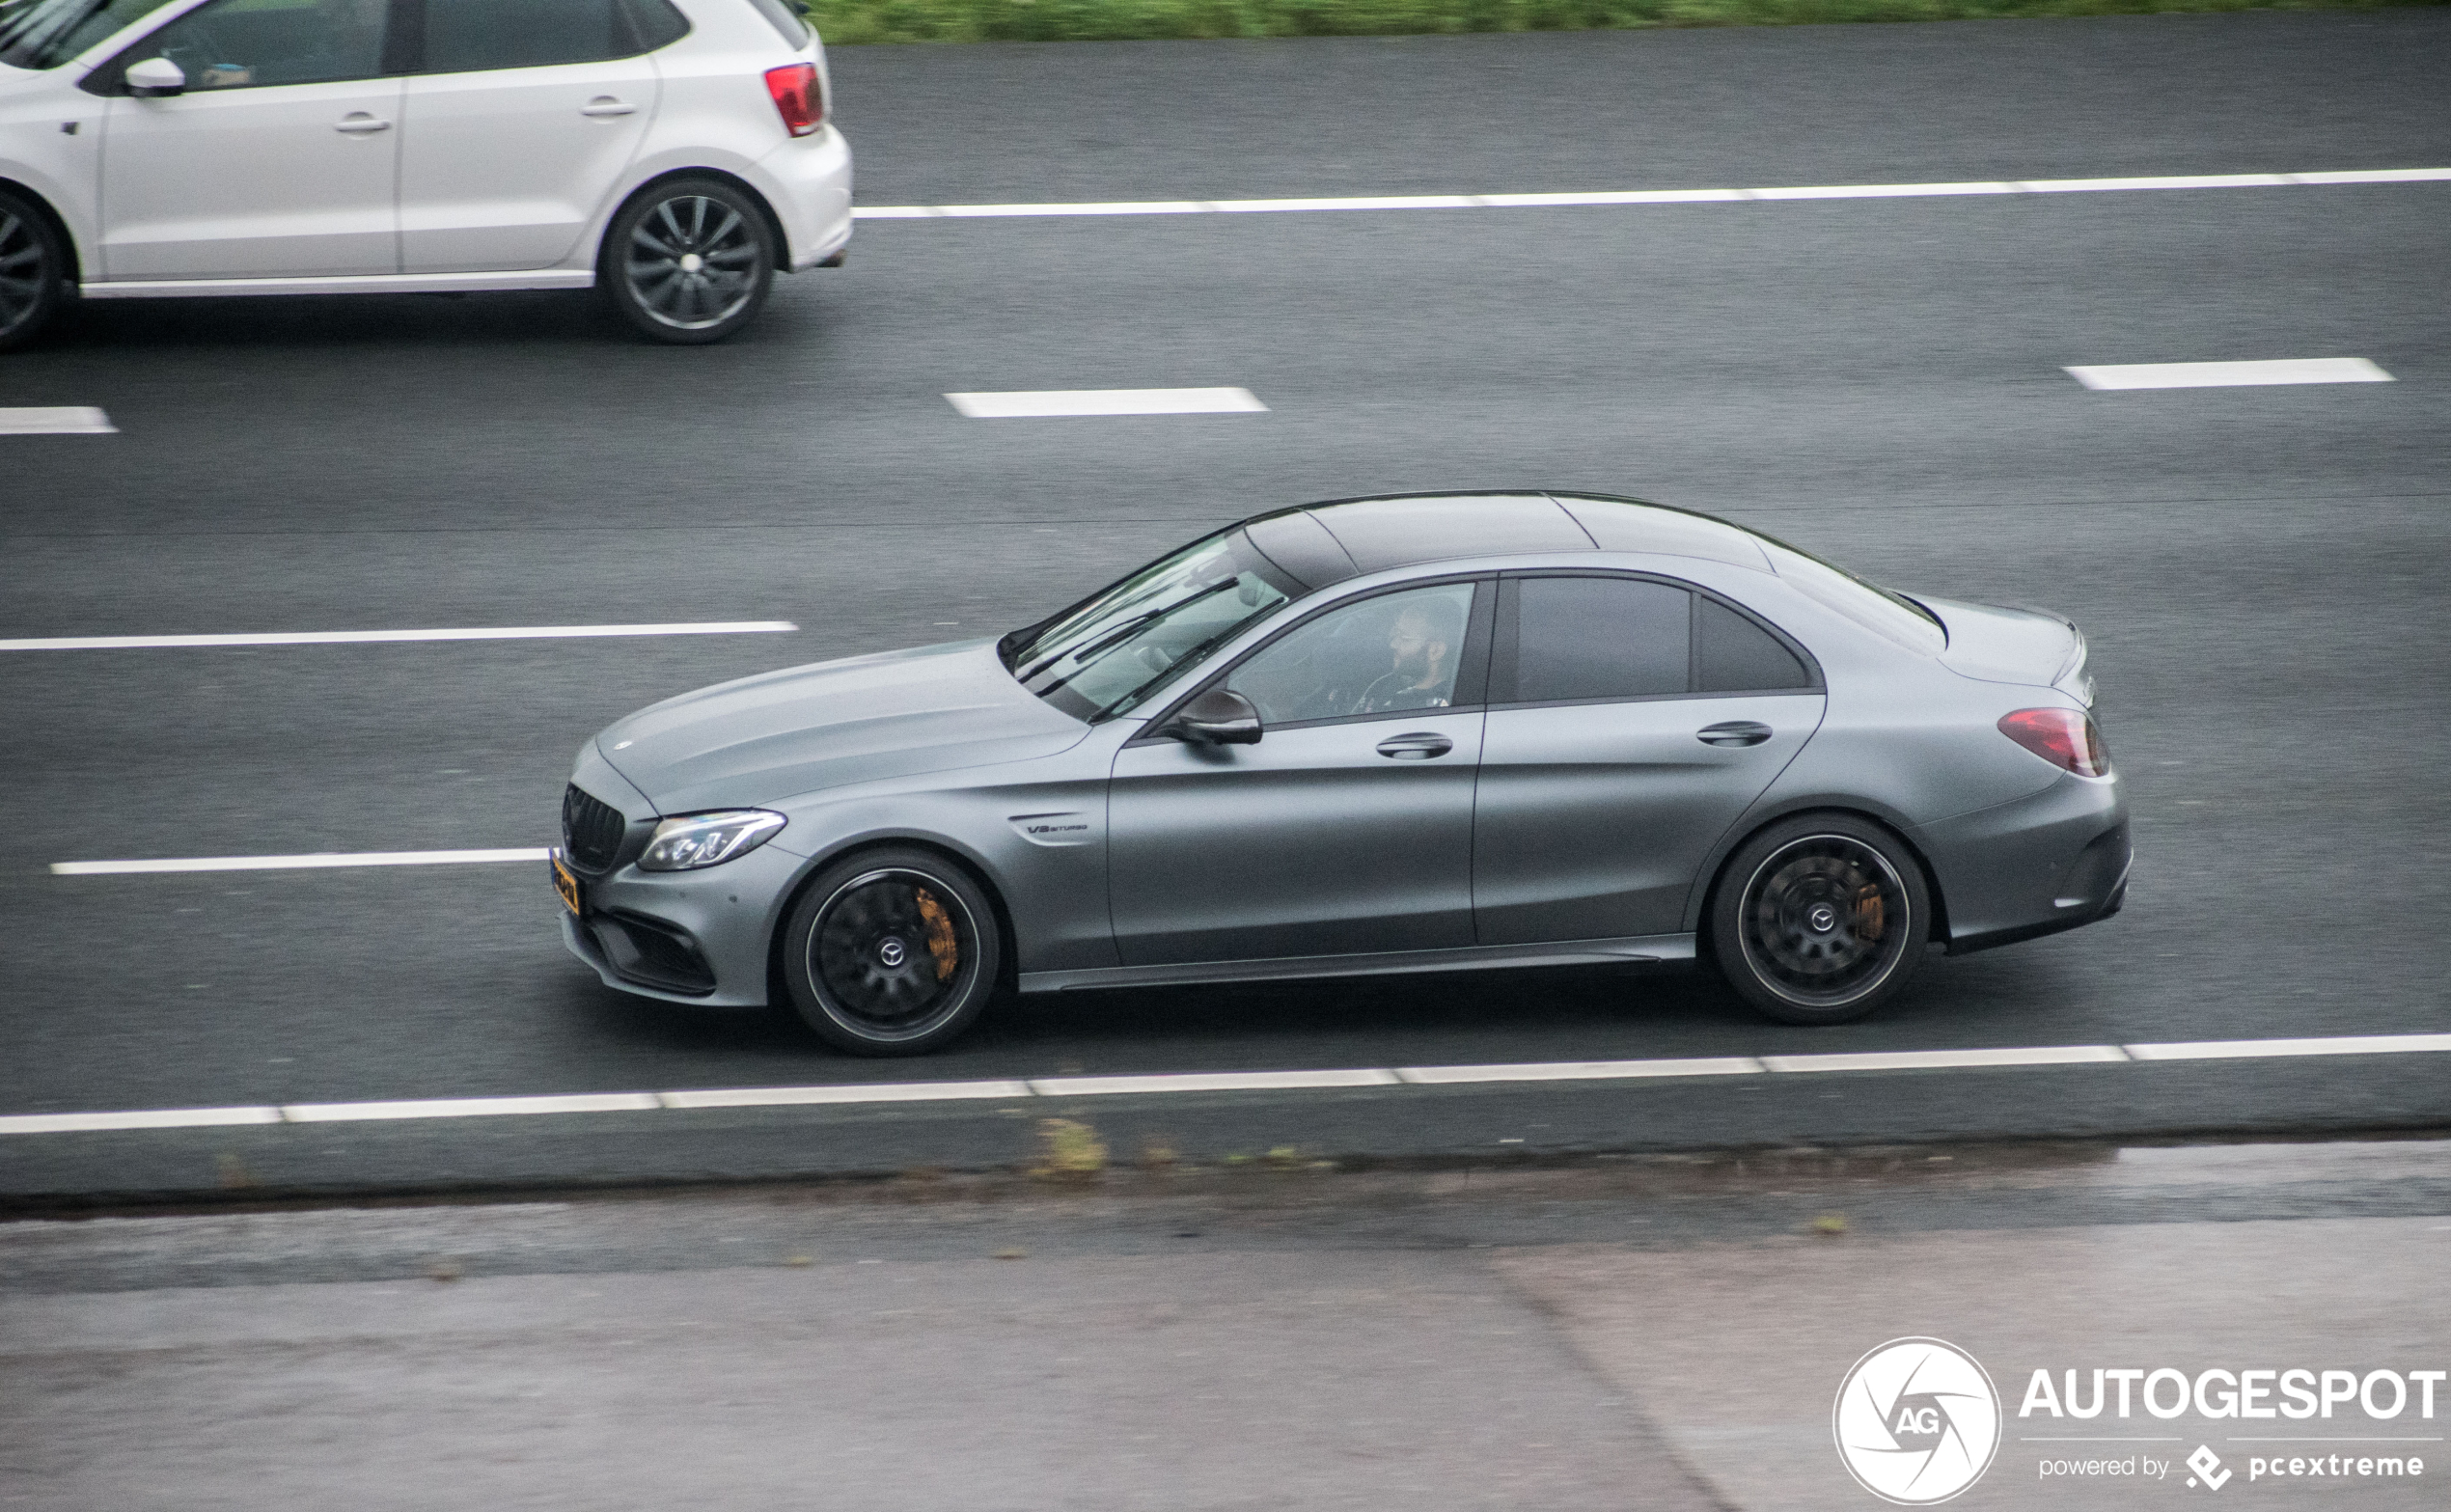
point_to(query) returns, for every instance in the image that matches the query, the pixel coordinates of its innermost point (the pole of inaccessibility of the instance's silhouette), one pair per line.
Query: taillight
(2064, 738)
(798, 96)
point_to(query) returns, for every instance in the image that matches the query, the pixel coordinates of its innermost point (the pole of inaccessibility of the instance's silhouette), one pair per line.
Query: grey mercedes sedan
(1420, 734)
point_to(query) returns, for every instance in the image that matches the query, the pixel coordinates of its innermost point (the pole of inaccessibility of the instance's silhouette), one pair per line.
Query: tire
(1820, 919)
(688, 262)
(33, 271)
(891, 952)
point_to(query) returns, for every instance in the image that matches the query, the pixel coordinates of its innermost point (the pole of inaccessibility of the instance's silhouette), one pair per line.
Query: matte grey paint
(1582, 832)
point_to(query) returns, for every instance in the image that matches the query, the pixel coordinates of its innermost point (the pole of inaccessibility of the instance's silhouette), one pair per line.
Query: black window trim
(1505, 649)
(1471, 670)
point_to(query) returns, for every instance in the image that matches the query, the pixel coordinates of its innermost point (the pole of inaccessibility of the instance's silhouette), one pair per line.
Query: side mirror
(155, 77)
(1219, 717)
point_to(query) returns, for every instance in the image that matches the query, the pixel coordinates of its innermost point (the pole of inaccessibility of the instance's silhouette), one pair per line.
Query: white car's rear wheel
(689, 260)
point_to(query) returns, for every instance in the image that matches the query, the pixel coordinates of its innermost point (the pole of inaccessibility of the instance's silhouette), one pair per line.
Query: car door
(521, 120)
(280, 159)
(1632, 720)
(1347, 830)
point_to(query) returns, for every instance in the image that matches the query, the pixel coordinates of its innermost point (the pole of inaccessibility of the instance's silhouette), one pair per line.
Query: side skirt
(359, 284)
(1566, 952)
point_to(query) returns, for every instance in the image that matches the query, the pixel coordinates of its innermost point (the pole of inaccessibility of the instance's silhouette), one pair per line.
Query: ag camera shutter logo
(1917, 1420)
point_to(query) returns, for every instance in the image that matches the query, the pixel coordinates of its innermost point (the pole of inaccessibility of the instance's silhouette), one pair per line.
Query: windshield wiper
(1122, 632)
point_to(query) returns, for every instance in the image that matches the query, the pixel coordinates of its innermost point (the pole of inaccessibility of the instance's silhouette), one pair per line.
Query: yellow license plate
(566, 885)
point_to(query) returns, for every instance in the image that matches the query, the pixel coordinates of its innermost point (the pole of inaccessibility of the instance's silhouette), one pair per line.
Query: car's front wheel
(32, 270)
(689, 260)
(1820, 919)
(891, 952)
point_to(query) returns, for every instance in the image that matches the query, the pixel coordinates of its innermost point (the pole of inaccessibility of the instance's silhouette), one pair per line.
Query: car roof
(1324, 543)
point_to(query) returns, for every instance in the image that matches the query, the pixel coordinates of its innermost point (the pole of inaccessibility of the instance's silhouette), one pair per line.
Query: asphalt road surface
(1879, 380)
(1606, 1335)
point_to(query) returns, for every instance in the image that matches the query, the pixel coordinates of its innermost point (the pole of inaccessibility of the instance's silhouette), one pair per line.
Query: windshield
(43, 34)
(1893, 616)
(1104, 656)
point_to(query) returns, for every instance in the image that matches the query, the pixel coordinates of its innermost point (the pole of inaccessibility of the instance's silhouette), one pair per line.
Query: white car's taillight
(799, 99)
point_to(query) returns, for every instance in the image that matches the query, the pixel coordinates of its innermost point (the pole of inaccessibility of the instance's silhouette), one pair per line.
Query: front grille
(591, 829)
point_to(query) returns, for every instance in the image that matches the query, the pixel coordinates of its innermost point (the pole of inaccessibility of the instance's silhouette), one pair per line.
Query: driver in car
(1422, 642)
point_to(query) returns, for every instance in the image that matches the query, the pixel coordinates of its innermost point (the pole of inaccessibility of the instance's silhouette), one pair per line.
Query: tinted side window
(658, 25)
(252, 43)
(1740, 656)
(1388, 653)
(467, 36)
(1600, 638)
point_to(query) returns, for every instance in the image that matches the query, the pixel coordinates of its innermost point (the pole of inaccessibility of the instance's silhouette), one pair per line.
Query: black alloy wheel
(689, 260)
(32, 271)
(1820, 919)
(891, 952)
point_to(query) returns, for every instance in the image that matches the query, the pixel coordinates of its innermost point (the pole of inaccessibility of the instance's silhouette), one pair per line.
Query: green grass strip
(852, 21)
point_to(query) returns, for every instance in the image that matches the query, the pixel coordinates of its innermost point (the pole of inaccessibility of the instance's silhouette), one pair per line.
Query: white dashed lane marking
(529, 632)
(1070, 404)
(1196, 1082)
(314, 861)
(2229, 374)
(56, 420)
(1510, 202)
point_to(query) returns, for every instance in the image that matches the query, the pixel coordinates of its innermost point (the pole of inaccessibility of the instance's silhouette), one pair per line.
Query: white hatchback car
(672, 154)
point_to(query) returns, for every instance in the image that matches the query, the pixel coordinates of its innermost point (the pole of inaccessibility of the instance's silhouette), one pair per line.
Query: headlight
(706, 840)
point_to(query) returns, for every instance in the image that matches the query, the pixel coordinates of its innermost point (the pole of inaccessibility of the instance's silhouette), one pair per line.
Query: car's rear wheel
(689, 260)
(891, 952)
(33, 269)
(1820, 919)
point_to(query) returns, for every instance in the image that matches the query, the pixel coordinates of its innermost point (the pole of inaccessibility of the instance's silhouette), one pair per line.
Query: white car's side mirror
(155, 77)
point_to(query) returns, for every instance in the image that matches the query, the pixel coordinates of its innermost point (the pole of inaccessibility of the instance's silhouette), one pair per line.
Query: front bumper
(698, 937)
(2037, 866)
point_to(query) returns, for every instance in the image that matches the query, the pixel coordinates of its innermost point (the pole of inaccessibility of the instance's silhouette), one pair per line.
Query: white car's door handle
(607, 105)
(359, 123)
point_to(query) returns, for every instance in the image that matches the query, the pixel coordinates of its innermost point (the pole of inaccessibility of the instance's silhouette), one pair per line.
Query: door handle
(607, 105)
(1733, 733)
(360, 124)
(1415, 747)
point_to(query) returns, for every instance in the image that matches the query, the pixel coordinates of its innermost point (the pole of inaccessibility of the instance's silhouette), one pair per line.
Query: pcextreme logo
(1917, 1420)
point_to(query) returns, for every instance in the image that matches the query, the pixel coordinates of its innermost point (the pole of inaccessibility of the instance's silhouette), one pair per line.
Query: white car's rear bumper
(808, 180)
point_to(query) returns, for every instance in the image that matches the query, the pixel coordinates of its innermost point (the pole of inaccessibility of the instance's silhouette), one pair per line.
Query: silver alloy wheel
(691, 262)
(1825, 920)
(23, 273)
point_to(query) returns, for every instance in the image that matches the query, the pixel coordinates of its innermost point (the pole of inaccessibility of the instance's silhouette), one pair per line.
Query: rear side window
(1736, 655)
(1599, 638)
(473, 36)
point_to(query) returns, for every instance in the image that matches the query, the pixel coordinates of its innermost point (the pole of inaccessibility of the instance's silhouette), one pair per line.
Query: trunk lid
(1991, 643)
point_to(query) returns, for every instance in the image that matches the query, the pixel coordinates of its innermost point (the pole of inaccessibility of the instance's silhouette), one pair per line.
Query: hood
(1994, 643)
(766, 739)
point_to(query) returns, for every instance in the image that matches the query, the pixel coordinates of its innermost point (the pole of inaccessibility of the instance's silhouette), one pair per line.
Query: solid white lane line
(1218, 1082)
(312, 863)
(1930, 1060)
(469, 1108)
(1578, 1070)
(143, 1119)
(533, 632)
(2259, 1049)
(2229, 374)
(1206, 1082)
(1068, 403)
(56, 420)
(854, 1093)
(1833, 191)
